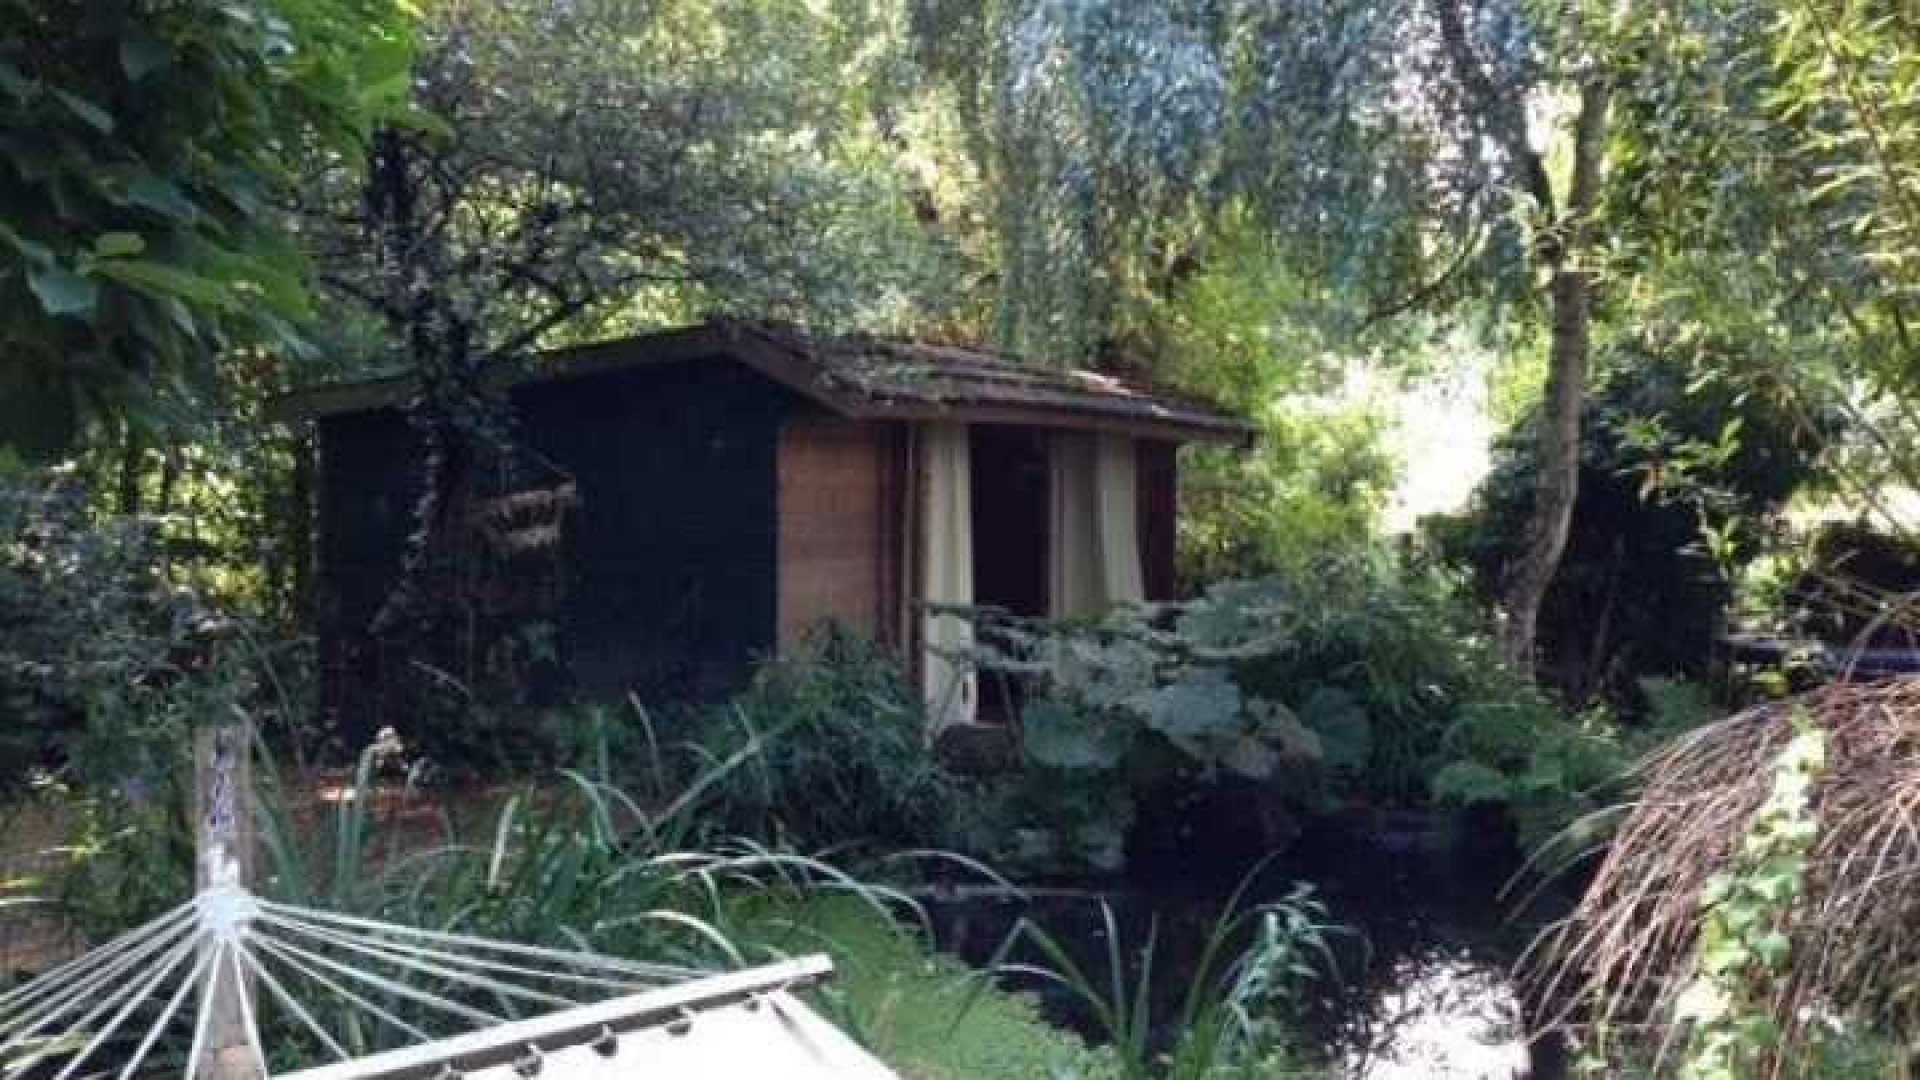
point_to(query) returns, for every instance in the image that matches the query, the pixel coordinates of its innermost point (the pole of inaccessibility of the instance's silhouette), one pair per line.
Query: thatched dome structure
(1632, 945)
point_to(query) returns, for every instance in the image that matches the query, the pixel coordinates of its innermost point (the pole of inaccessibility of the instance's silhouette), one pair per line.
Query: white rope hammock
(184, 995)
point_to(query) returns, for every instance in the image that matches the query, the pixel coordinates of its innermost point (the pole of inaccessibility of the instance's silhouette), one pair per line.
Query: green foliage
(1748, 910)
(923, 1013)
(1378, 657)
(1230, 1019)
(1357, 679)
(107, 667)
(105, 664)
(1317, 478)
(128, 857)
(1553, 773)
(833, 748)
(545, 215)
(1125, 708)
(1681, 478)
(584, 863)
(150, 147)
(1122, 137)
(1764, 194)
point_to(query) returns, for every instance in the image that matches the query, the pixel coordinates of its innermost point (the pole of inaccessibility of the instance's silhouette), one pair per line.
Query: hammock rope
(413, 984)
(379, 999)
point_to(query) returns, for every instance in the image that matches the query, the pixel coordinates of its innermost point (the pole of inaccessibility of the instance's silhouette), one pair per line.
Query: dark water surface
(1420, 987)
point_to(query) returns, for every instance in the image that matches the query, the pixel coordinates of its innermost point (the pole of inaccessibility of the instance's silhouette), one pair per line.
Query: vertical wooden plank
(892, 524)
(832, 537)
(224, 860)
(913, 488)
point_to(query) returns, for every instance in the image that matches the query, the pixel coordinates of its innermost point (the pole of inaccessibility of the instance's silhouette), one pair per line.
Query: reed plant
(1230, 1015)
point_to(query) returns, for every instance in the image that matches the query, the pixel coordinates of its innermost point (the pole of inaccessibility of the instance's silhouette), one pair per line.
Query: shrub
(834, 752)
(1679, 480)
(581, 862)
(1361, 679)
(101, 659)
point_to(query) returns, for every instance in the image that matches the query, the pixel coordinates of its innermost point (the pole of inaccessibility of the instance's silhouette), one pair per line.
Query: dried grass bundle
(1617, 963)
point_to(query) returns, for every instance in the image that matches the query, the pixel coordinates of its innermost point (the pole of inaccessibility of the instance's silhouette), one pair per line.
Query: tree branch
(1419, 296)
(1502, 116)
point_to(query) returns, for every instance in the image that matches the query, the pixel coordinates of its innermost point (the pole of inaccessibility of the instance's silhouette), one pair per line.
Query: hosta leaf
(1201, 707)
(1060, 737)
(1345, 733)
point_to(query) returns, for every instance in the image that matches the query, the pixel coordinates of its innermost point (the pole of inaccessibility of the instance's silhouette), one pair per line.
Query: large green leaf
(99, 166)
(1060, 737)
(1202, 707)
(118, 244)
(1105, 673)
(157, 278)
(1341, 725)
(161, 196)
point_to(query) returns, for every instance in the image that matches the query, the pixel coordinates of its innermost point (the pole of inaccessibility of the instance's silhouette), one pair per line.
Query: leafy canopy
(1116, 135)
(148, 149)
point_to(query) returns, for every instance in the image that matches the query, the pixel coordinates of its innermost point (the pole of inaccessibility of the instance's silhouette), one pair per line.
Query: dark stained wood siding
(840, 526)
(1158, 496)
(671, 557)
(367, 484)
(668, 564)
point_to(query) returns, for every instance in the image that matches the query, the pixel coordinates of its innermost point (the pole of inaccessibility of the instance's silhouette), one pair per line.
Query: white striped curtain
(951, 687)
(1094, 563)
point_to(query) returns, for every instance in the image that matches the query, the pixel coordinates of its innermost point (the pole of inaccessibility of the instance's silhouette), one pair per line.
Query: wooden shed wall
(365, 498)
(672, 555)
(668, 564)
(841, 491)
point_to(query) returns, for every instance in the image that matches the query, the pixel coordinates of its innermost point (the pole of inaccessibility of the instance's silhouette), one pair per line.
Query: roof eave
(780, 362)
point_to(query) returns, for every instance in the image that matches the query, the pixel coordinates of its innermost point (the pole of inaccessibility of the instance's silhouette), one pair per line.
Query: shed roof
(861, 378)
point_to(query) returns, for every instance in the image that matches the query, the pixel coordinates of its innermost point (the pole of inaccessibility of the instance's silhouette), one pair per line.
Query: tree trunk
(1567, 252)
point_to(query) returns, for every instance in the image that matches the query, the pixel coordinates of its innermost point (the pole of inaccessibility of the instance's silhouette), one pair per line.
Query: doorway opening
(1010, 536)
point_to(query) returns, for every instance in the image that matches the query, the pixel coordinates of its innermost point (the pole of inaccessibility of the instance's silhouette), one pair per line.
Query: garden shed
(706, 496)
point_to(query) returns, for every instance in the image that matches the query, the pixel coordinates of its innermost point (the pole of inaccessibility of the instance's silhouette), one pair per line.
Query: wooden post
(224, 857)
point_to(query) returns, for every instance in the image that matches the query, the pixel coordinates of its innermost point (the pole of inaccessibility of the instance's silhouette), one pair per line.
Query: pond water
(1420, 987)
